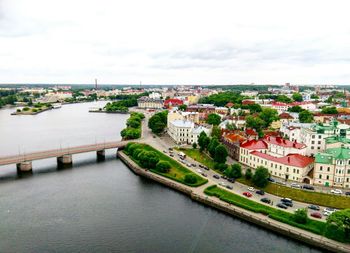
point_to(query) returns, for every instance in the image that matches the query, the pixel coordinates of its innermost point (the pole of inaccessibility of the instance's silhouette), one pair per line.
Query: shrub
(260, 177)
(35, 110)
(26, 109)
(220, 166)
(300, 216)
(163, 166)
(190, 179)
(18, 110)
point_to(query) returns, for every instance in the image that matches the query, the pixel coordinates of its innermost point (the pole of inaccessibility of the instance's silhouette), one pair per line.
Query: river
(103, 206)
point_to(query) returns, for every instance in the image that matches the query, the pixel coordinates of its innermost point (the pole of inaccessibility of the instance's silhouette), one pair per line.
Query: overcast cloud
(182, 41)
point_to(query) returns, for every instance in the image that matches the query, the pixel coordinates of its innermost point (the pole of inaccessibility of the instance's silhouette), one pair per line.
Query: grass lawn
(316, 198)
(314, 226)
(177, 171)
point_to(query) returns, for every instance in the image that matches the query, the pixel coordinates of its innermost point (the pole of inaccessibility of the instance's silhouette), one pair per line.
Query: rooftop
(182, 123)
(254, 144)
(342, 153)
(283, 142)
(295, 160)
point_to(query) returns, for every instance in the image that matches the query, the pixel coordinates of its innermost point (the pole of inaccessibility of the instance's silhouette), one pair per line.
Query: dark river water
(103, 206)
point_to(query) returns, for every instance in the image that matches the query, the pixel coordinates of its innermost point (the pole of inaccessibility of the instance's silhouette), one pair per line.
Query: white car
(200, 171)
(336, 191)
(251, 189)
(295, 185)
(222, 184)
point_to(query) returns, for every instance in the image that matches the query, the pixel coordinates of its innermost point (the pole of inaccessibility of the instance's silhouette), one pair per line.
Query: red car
(247, 194)
(316, 215)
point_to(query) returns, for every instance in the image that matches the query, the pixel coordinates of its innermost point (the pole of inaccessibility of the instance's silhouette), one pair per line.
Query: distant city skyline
(178, 42)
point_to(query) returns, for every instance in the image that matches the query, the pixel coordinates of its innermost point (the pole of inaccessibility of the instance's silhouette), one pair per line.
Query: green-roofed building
(332, 168)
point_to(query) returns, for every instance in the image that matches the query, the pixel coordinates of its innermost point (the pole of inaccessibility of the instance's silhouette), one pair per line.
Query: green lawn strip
(313, 226)
(177, 171)
(317, 198)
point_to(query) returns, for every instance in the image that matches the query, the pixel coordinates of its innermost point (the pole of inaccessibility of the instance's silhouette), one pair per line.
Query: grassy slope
(316, 198)
(177, 171)
(314, 226)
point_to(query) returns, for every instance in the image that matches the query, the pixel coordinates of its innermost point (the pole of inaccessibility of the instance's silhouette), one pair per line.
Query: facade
(232, 142)
(185, 132)
(283, 158)
(332, 168)
(149, 103)
(184, 116)
(173, 102)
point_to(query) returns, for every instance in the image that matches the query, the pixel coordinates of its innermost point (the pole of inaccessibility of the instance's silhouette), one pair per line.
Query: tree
(329, 110)
(163, 166)
(214, 142)
(213, 119)
(182, 107)
(194, 145)
(220, 154)
(190, 179)
(148, 159)
(255, 122)
(297, 97)
(300, 216)
(283, 99)
(248, 174)
(306, 117)
(260, 177)
(338, 225)
(216, 132)
(314, 96)
(221, 167)
(156, 124)
(203, 141)
(269, 115)
(329, 100)
(235, 171)
(295, 108)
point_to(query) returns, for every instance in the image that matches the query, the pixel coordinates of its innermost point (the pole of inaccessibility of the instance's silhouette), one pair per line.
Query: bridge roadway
(17, 159)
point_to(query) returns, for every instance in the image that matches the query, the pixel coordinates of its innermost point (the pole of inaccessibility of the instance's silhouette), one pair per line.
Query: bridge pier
(64, 160)
(101, 154)
(24, 167)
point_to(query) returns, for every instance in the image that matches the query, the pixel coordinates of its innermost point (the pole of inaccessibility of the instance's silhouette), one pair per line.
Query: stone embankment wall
(258, 219)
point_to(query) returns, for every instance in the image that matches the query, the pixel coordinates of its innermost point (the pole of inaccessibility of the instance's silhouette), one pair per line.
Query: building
(185, 132)
(232, 142)
(149, 103)
(332, 168)
(155, 95)
(184, 116)
(283, 158)
(172, 102)
(280, 107)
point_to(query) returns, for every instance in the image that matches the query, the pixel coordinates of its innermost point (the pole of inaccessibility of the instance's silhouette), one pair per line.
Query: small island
(33, 110)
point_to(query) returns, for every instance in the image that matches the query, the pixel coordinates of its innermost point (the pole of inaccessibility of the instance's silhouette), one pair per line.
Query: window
(313, 136)
(328, 169)
(327, 177)
(319, 136)
(319, 142)
(321, 168)
(312, 147)
(320, 176)
(313, 142)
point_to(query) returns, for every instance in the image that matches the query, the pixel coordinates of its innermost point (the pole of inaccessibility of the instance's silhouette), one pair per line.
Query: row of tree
(262, 120)
(133, 129)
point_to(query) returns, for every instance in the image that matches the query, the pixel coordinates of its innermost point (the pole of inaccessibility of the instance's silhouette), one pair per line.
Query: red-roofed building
(280, 107)
(229, 105)
(283, 158)
(285, 117)
(291, 167)
(172, 102)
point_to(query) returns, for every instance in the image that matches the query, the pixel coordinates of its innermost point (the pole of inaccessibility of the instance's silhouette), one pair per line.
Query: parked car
(308, 187)
(206, 168)
(336, 191)
(325, 213)
(281, 205)
(290, 204)
(164, 151)
(216, 176)
(266, 200)
(251, 189)
(222, 184)
(204, 175)
(347, 193)
(295, 185)
(286, 200)
(270, 179)
(314, 207)
(200, 166)
(231, 180)
(194, 165)
(199, 171)
(223, 176)
(247, 194)
(317, 215)
(329, 209)
(170, 148)
(260, 192)
(229, 187)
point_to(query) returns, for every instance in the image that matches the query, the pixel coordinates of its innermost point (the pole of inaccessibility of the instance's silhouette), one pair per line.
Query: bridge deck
(60, 152)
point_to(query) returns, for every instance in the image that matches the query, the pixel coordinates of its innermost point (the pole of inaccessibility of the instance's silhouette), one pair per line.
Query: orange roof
(235, 137)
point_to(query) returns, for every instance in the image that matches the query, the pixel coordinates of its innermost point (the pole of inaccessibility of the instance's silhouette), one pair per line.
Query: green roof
(341, 153)
(335, 139)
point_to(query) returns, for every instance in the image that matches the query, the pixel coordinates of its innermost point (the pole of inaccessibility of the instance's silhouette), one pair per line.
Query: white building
(149, 103)
(185, 132)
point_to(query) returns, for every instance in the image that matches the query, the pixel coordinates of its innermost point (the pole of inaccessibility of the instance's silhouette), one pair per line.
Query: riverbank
(197, 194)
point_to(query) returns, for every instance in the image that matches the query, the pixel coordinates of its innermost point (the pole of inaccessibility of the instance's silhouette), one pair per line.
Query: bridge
(64, 155)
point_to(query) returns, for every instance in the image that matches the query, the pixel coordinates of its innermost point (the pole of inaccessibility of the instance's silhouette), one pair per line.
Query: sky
(175, 42)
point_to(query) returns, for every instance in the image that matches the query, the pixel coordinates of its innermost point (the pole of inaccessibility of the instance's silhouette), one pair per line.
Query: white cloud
(160, 41)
